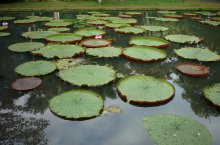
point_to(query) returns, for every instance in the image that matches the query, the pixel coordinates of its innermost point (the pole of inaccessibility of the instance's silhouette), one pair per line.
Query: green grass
(112, 5)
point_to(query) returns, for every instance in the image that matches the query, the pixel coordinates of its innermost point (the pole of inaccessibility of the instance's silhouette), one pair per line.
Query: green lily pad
(144, 53)
(199, 54)
(149, 41)
(25, 46)
(39, 18)
(167, 19)
(133, 13)
(2, 28)
(57, 24)
(89, 32)
(64, 38)
(97, 23)
(101, 15)
(6, 18)
(215, 19)
(59, 50)
(125, 21)
(143, 89)
(2, 34)
(125, 16)
(25, 21)
(212, 93)
(186, 14)
(104, 52)
(116, 25)
(77, 104)
(88, 75)
(35, 68)
(213, 23)
(183, 39)
(166, 12)
(59, 29)
(130, 30)
(38, 34)
(68, 63)
(173, 16)
(206, 13)
(95, 43)
(167, 129)
(154, 28)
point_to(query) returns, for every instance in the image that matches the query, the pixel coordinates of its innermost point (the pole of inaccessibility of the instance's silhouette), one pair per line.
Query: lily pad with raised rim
(206, 13)
(6, 18)
(38, 34)
(77, 104)
(59, 29)
(2, 28)
(88, 75)
(89, 32)
(39, 18)
(25, 21)
(212, 93)
(133, 13)
(187, 14)
(64, 38)
(143, 89)
(101, 15)
(116, 25)
(125, 21)
(97, 23)
(166, 19)
(25, 46)
(104, 52)
(173, 16)
(166, 12)
(2, 34)
(130, 30)
(199, 54)
(183, 39)
(57, 24)
(213, 23)
(95, 43)
(125, 16)
(26, 83)
(168, 129)
(154, 28)
(35, 68)
(70, 62)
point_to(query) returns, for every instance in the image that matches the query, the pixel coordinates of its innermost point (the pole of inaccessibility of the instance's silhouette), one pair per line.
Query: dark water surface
(26, 119)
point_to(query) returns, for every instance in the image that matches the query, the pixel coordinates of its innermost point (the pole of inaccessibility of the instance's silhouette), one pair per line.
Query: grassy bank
(112, 5)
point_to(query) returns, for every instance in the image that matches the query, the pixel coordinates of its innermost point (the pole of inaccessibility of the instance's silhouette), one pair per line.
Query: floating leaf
(213, 23)
(77, 104)
(125, 16)
(88, 75)
(133, 13)
(97, 23)
(59, 50)
(38, 34)
(64, 38)
(215, 19)
(130, 30)
(39, 18)
(149, 41)
(154, 28)
(144, 53)
(125, 21)
(25, 46)
(57, 24)
(6, 18)
(116, 25)
(205, 13)
(25, 21)
(35, 68)
(144, 90)
(198, 54)
(26, 83)
(167, 129)
(95, 43)
(4, 34)
(173, 16)
(89, 32)
(166, 12)
(212, 93)
(189, 14)
(67, 63)
(167, 19)
(2, 28)
(101, 15)
(59, 29)
(104, 52)
(183, 39)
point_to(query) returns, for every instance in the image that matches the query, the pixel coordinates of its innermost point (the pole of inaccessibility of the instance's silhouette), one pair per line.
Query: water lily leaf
(2, 28)
(173, 16)
(212, 93)
(167, 129)
(95, 43)
(215, 19)
(124, 16)
(35, 68)
(89, 32)
(183, 39)
(4, 34)
(125, 21)
(97, 23)
(101, 15)
(143, 89)
(116, 25)
(64, 38)
(192, 69)
(77, 104)
(104, 52)
(39, 18)
(57, 24)
(38, 34)
(133, 13)
(6, 18)
(25, 21)
(213, 23)
(186, 14)
(199, 54)
(130, 30)
(166, 12)
(25, 46)
(167, 19)
(67, 63)
(59, 50)
(149, 41)
(206, 13)
(26, 83)
(93, 12)
(154, 28)
(88, 75)
(59, 29)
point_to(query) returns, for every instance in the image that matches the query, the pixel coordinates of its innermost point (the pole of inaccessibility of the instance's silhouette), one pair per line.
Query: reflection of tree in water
(16, 129)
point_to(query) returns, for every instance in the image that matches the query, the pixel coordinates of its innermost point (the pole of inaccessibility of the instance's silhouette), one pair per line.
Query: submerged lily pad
(59, 29)
(35, 68)
(154, 28)
(104, 52)
(4, 34)
(144, 53)
(77, 104)
(149, 41)
(95, 43)
(213, 23)
(212, 93)
(64, 38)
(57, 24)
(25, 21)
(88, 75)
(59, 50)
(167, 129)
(116, 25)
(67, 63)
(183, 39)
(198, 54)
(26, 83)
(38, 34)
(130, 30)
(6, 18)
(89, 32)
(25, 46)
(143, 89)
(2, 28)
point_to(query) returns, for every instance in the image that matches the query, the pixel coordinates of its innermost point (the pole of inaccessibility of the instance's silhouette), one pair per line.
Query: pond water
(27, 119)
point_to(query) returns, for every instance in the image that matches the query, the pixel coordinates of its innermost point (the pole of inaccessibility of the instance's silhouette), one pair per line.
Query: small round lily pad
(38, 34)
(183, 39)
(154, 28)
(57, 24)
(35, 68)
(212, 93)
(89, 32)
(2, 34)
(192, 69)
(168, 129)
(77, 104)
(26, 83)
(39, 18)
(88, 75)
(104, 52)
(130, 30)
(25, 46)
(95, 43)
(64, 38)
(143, 89)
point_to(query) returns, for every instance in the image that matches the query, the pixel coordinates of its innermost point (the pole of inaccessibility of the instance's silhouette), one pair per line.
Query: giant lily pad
(2, 34)
(125, 21)
(25, 46)
(101, 15)
(167, 129)
(67, 63)
(116, 25)
(198, 54)
(167, 19)
(2, 28)
(104, 52)
(89, 32)
(88, 75)
(97, 23)
(35, 68)
(173, 16)
(59, 29)
(39, 18)
(57, 24)
(143, 89)
(38, 34)
(149, 41)
(213, 23)
(212, 93)
(25, 21)
(166, 12)
(64, 38)
(133, 13)
(125, 16)
(95, 43)
(130, 30)
(6, 18)
(77, 104)
(154, 28)
(26, 83)
(59, 50)
(206, 13)
(144, 53)
(192, 69)
(183, 39)
(187, 14)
